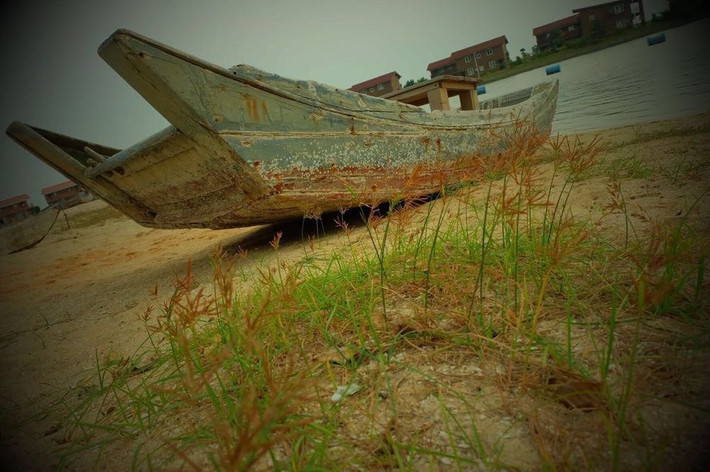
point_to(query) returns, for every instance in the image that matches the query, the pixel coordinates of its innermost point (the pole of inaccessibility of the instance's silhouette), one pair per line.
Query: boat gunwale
(264, 86)
(362, 113)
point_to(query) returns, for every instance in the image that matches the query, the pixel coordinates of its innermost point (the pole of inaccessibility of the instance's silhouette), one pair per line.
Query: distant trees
(597, 31)
(558, 43)
(576, 43)
(524, 57)
(411, 82)
(556, 40)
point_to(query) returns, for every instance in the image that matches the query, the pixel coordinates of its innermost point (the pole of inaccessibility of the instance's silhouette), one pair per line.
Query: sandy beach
(80, 294)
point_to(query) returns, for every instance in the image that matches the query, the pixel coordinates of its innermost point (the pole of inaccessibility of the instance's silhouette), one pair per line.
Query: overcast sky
(53, 78)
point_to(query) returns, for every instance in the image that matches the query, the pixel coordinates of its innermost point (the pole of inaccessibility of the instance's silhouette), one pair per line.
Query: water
(627, 84)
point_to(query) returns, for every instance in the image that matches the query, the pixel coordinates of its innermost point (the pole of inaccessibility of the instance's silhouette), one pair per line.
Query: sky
(53, 78)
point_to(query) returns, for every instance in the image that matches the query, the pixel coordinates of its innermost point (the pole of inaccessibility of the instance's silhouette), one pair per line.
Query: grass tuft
(482, 329)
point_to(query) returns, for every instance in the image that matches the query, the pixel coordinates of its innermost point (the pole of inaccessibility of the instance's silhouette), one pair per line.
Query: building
(15, 209)
(379, 85)
(474, 61)
(63, 195)
(561, 30)
(604, 19)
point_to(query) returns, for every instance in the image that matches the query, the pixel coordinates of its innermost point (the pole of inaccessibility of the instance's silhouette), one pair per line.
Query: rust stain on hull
(252, 106)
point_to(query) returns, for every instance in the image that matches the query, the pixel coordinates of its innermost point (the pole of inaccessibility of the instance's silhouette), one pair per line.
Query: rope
(33, 244)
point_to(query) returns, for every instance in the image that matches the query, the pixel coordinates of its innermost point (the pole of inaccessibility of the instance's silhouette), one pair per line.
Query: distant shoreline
(615, 40)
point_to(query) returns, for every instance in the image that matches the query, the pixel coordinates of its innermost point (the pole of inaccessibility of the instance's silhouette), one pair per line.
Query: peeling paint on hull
(247, 147)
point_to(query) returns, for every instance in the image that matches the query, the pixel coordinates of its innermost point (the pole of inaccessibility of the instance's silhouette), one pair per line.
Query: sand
(80, 294)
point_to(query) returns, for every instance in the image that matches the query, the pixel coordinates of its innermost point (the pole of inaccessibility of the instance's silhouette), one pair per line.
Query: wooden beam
(438, 99)
(457, 86)
(469, 100)
(411, 94)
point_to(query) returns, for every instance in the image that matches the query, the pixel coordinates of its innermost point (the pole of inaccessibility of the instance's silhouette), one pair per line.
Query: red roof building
(15, 209)
(64, 195)
(556, 25)
(604, 19)
(379, 85)
(475, 60)
(565, 29)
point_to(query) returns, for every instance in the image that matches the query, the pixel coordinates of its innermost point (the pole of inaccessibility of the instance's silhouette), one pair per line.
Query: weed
(444, 318)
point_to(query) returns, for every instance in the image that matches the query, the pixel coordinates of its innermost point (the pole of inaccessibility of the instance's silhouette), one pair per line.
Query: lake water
(627, 84)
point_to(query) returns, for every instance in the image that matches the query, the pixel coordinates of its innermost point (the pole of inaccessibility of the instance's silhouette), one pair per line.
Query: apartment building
(15, 209)
(474, 61)
(604, 19)
(63, 195)
(564, 29)
(379, 85)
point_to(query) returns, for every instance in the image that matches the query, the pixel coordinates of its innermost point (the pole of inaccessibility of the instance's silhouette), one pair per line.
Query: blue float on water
(553, 69)
(481, 89)
(659, 38)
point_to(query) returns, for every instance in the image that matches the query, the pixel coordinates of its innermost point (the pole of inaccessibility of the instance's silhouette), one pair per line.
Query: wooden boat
(248, 147)
(29, 232)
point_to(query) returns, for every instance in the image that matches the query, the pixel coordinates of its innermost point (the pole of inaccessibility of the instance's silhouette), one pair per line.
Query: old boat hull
(29, 232)
(247, 147)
